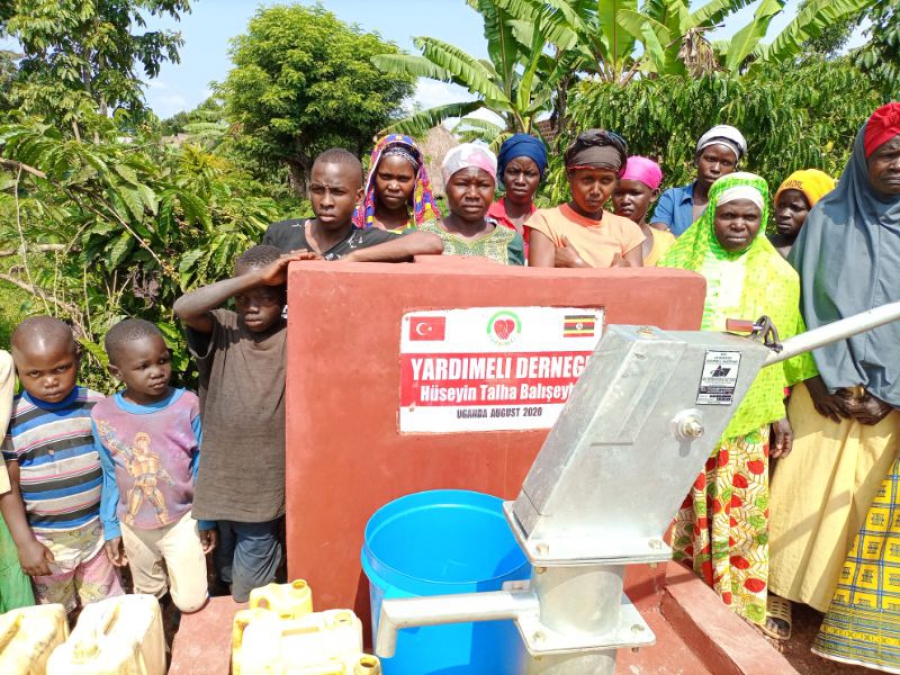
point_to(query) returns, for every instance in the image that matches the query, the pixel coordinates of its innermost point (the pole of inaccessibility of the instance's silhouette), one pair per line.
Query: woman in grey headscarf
(845, 420)
(718, 153)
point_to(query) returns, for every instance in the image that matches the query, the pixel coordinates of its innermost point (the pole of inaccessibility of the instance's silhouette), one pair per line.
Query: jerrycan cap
(367, 665)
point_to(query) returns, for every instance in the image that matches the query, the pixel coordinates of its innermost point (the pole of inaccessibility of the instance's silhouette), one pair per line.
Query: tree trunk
(299, 169)
(562, 105)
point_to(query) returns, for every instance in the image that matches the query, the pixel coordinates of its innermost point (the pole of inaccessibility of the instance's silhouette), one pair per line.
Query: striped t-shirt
(59, 468)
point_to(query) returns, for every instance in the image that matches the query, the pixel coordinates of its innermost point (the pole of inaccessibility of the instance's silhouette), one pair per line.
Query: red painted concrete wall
(345, 456)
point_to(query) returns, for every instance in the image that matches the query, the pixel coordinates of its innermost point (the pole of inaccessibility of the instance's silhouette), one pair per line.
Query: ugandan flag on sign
(579, 325)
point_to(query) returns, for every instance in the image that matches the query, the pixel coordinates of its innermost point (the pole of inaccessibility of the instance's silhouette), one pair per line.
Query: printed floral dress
(721, 529)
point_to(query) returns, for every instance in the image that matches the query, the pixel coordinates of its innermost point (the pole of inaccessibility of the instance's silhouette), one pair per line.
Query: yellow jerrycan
(289, 601)
(116, 636)
(348, 665)
(28, 636)
(323, 643)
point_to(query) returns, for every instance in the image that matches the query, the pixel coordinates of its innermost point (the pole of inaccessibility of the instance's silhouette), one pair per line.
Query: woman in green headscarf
(722, 527)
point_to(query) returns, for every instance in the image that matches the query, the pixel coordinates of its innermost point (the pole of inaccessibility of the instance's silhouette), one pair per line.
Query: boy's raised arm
(399, 249)
(194, 307)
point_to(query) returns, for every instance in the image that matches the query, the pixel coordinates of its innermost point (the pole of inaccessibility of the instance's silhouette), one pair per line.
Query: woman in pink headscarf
(637, 189)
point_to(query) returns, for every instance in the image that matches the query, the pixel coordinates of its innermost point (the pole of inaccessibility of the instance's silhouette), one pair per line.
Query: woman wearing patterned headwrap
(397, 184)
(721, 528)
(846, 419)
(718, 153)
(581, 233)
(800, 191)
(521, 165)
(470, 178)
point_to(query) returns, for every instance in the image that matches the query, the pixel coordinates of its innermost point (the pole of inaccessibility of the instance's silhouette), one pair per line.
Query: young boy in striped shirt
(53, 508)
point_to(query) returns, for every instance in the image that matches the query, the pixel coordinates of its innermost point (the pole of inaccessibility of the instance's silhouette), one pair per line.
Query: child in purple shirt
(148, 437)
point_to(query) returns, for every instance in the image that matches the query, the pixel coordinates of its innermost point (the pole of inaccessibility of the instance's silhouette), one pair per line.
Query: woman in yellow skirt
(845, 422)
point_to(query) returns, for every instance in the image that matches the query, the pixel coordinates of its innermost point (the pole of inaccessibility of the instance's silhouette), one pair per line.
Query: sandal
(778, 613)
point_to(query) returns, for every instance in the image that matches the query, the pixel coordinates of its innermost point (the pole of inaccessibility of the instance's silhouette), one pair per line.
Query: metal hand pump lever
(637, 429)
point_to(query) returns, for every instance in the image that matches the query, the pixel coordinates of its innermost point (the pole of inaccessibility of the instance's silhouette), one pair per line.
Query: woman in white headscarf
(470, 181)
(722, 527)
(719, 151)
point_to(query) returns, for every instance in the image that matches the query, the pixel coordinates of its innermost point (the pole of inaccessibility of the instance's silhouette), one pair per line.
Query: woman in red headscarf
(835, 502)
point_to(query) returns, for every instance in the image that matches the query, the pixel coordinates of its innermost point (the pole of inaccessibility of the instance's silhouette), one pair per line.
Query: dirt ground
(796, 650)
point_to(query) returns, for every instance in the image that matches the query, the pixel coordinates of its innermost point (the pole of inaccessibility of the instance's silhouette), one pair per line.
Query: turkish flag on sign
(427, 327)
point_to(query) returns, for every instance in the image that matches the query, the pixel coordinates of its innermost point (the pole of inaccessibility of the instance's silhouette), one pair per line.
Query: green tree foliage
(8, 72)
(174, 125)
(834, 37)
(787, 114)
(84, 56)
(302, 82)
(879, 58)
(205, 125)
(100, 231)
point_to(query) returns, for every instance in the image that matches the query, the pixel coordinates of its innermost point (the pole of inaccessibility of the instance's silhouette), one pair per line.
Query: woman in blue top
(718, 153)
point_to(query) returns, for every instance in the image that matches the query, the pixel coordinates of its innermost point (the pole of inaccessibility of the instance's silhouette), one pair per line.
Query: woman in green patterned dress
(722, 527)
(470, 180)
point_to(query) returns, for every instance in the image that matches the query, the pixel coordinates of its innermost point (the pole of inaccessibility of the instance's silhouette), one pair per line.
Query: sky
(212, 23)
(210, 26)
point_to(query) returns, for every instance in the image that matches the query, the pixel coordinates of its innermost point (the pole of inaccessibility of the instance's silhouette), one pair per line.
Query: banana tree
(606, 34)
(539, 48)
(517, 82)
(669, 32)
(672, 35)
(616, 39)
(814, 17)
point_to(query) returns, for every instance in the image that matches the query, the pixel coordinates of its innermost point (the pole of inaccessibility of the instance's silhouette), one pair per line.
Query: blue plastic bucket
(437, 543)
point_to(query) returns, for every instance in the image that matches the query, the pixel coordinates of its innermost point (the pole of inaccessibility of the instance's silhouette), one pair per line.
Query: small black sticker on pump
(719, 379)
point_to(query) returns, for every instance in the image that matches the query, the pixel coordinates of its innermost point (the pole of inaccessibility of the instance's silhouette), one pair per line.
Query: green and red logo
(504, 327)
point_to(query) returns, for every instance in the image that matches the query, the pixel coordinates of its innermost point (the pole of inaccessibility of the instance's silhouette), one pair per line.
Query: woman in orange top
(581, 233)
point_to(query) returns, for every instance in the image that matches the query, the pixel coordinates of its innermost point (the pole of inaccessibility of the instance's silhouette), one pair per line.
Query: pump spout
(431, 611)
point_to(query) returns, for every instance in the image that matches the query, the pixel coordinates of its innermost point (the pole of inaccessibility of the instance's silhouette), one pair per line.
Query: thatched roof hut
(435, 145)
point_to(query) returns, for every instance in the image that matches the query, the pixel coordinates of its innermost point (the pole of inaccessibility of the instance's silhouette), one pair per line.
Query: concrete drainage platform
(696, 634)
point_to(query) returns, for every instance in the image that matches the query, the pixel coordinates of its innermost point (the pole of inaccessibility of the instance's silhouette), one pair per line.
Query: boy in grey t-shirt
(241, 359)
